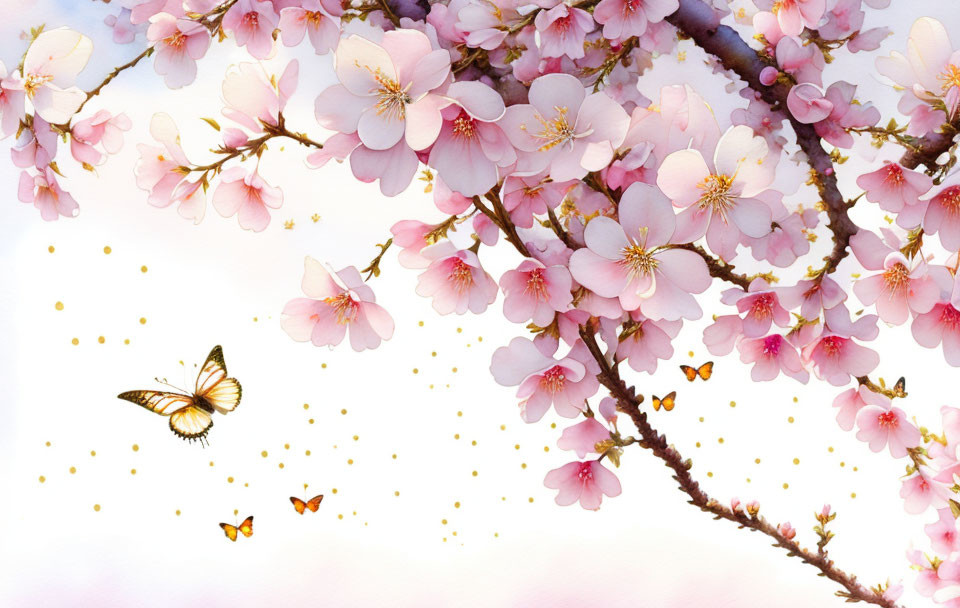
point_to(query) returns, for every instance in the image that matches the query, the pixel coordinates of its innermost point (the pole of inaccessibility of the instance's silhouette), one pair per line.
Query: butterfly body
(191, 415)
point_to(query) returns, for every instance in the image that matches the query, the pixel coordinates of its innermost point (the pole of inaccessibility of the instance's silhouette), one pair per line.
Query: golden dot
(454, 370)
(48, 444)
(310, 421)
(720, 440)
(263, 453)
(503, 427)
(709, 473)
(796, 461)
(307, 453)
(553, 425)
(690, 353)
(350, 461)
(101, 339)
(474, 442)
(474, 473)
(93, 452)
(286, 446)
(530, 499)
(254, 319)
(701, 418)
(135, 448)
(443, 521)
(433, 354)
(830, 449)
(757, 461)
(339, 515)
(459, 330)
(790, 419)
(211, 463)
(356, 437)
(456, 505)
(853, 494)
(516, 446)
(133, 471)
(75, 341)
(394, 456)
(143, 269)
(107, 250)
(855, 469)
(51, 249)
(334, 490)
(58, 305)
(126, 341)
(546, 448)
(733, 404)
(479, 338)
(280, 465)
(178, 512)
(496, 535)
(431, 386)
(42, 479)
(73, 470)
(460, 414)
(523, 465)
(96, 508)
(795, 399)
(786, 485)
(236, 512)
(843, 464)
(416, 371)
(306, 406)
(748, 480)
(344, 412)
(323, 366)
(698, 444)
(420, 323)
(229, 479)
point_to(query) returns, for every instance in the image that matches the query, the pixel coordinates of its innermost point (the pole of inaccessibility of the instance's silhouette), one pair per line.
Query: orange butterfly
(666, 403)
(191, 415)
(313, 504)
(704, 371)
(245, 528)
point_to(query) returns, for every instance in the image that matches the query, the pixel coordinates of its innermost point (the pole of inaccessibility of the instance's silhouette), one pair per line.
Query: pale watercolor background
(205, 285)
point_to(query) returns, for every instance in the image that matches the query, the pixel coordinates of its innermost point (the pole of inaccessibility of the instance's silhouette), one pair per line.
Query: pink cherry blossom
(719, 198)
(252, 23)
(808, 105)
(124, 31)
(159, 171)
(527, 196)
(455, 280)
(940, 325)
(12, 109)
(771, 355)
(246, 195)
(485, 23)
(942, 217)
(846, 114)
(563, 130)
(893, 187)
(813, 296)
(388, 92)
(319, 21)
(881, 427)
(648, 342)
(760, 306)
(179, 43)
(586, 481)
(786, 530)
(543, 380)
(103, 128)
(794, 15)
(46, 195)
(805, 62)
(931, 69)
(50, 70)
(253, 98)
(535, 292)
(336, 303)
(920, 491)
(622, 19)
(723, 334)
(943, 534)
(834, 356)
(852, 400)
(583, 437)
(632, 260)
(562, 31)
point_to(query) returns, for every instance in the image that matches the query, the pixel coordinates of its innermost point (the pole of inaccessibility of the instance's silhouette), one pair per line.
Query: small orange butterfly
(313, 504)
(666, 403)
(245, 528)
(704, 371)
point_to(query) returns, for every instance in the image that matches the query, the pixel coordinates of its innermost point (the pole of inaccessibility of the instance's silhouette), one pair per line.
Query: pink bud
(826, 511)
(807, 103)
(768, 75)
(787, 530)
(735, 504)
(753, 507)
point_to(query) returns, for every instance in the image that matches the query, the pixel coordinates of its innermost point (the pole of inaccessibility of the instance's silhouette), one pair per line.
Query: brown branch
(629, 402)
(699, 22)
(930, 147)
(113, 74)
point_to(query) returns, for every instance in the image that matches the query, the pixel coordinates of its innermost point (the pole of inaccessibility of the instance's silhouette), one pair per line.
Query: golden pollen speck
(796, 461)
(58, 305)
(456, 505)
(459, 330)
(853, 494)
(51, 249)
(356, 437)
(133, 471)
(474, 442)
(733, 404)
(350, 461)
(701, 418)
(48, 444)
(396, 492)
(394, 456)
(229, 479)
(42, 479)
(433, 354)
(286, 446)
(178, 512)
(211, 463)
(479, 338)
(334, 490)
(344, 412)
(96, 508)
(339, 515)
(143, 320)
(786, 485)
(107, 250)
(720, 440)
(263, 453)
(126, 341)
(323, 366)
(830, 449)
(690, 353)
(456, 436)
(280, 465)
(307, 453)
(698, 444)
(73, 470)
(420, 323)
(454, 370)
(795, 399)
(306, 406)
(709, 473)
(855, 469)
(530, 499)
(443, 521)
(843, 464)
(459, 414)
(748, 480)
(143, 269)
(101, 339)
(523, 465)
(93, 452)
(790, 419)
(503, 427)
(474, 473)
(553, 425)
(135, 448)
(310, 421)
(416, 371)
(516, 446)
(546, 448)
(757, 461)
(75, 341)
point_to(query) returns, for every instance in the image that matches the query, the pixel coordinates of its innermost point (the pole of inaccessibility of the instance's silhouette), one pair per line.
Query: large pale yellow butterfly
(191, 416)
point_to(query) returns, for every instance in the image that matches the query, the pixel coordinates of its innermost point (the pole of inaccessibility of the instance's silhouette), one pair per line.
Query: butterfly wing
(669, 401)
(900, 388)
(656, 403)
(705, 370)
(191, 422)
(246, 527)
(689, 372)
(214, 386)
(298, 504)
(160, 402)
(230, 531)
(314, 503)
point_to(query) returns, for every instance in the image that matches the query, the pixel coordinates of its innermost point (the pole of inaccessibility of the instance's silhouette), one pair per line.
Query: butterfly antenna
(164, 381)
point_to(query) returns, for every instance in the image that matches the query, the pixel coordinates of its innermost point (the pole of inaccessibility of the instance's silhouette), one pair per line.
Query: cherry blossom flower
(941, 325)
(252, 23)
(46, 195)
(336, 303)
(535, 292)
(893, 187)
(771, 355)
(786, 530)
(723, 334)
(50, 70)
(647, 342)
(455, 280)
(881, 427)
(808, 105)
(318, 20)
(12, 109)
(920, 491)
(160, 171)
(586, 481)
(813, 296)
(761, 305)
(622, 19)
(178, 44)
(631, 260)
(852, 400)
(102, 128)
(124, 31)
(253, 98)
(805, 62)
(543, 381)
(562, 31)
(388, 91)
(719, 198)
(846, 114)
(246, 195)
(794, 15)
(583, 437)
(942, 217)
(563, 130)
(485, 23)
(943, 534)
(834, 355)
(527, 196)
(903, 287)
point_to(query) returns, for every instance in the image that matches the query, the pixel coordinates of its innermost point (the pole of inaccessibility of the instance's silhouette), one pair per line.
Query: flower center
(888, 420)
(536, 285)
(771, 345)
(556, 131)
(950, 77)
(175, 39)
(949, 199)
(894, 174)
(716, 194)
(630, 6)
(897, 277)
(762, 306)
(392, 99)
(251, 19)
(464, 126)
(640, 261)
(34, 82)
(314, 17)
(832, 345)
(585, 472)
(950, 317)
(346, 308)
(553, 380)
(461, 277)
